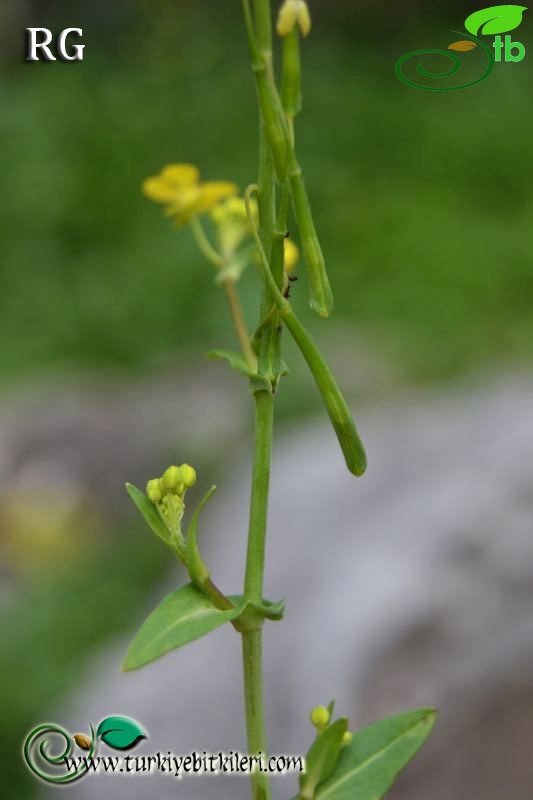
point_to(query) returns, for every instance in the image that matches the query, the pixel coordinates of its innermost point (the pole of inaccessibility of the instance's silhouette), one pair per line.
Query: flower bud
(347, 739)
(319, 717)
(153, 490)
(172, 477)
(290, 13)
(188, 475)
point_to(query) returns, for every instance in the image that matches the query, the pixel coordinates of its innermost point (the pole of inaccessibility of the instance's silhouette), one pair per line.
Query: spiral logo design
(38, 752)
(456, 66)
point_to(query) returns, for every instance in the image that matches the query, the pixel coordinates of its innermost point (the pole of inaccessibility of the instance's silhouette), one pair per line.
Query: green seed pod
(189, 475)
(319, 717)
(320, 296)
(172, 477)
(339, 413)
(274, 119)
(291, 93)
(153, 490)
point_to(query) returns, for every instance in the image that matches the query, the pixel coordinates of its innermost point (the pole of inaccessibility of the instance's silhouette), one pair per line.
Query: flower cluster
(168, 494)
(179, 189)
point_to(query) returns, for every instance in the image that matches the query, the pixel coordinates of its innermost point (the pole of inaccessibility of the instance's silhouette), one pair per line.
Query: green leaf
(182, 616)
(367, 767)
(264, 610)
(235, 361)
(195, 563)
(149, 512)
(322, 757)
(122, 733)
(238, 363)
(496, 19)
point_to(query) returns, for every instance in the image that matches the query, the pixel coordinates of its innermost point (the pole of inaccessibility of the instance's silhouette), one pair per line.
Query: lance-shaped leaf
(149, 512)
(122, 733)
(238, 363)
(195, 564)
(182, 616)
(321, 760)
(367, 768)
(496, 19)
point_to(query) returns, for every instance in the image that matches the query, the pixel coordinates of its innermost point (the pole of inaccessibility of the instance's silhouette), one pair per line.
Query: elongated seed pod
(339, 413)
(291, 91)
(275, 123)
(320, 296)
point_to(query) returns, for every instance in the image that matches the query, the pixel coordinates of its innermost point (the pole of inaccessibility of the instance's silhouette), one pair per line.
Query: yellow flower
(179, 188)
(292, 254)
(290, 13)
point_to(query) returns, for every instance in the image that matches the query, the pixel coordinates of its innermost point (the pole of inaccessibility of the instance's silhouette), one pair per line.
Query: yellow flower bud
(347, 739)
(290, 13)
(292, 254)
(153, 490)
(172, 477)
(189, 475)
(319, 717)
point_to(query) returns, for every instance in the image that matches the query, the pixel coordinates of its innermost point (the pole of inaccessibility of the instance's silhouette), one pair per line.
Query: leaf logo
(121, 733)
(494, 20)
(462, 46)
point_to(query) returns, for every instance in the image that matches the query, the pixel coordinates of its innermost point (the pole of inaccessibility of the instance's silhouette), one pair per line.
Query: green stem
(259, 30)
(255, 712)
(255, 560)
(234, 304)
(253, 588)
(232, 295)
(204, 245)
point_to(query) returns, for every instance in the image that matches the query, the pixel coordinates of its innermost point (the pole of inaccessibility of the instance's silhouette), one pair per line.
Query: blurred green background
(423, 201)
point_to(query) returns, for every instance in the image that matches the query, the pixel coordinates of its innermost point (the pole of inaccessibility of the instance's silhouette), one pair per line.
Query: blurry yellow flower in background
(179, 188)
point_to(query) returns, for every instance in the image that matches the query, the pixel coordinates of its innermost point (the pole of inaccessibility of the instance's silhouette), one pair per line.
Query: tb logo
(38, 41)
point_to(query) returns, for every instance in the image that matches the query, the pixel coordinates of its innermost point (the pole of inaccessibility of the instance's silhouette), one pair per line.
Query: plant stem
(255, 560)
(253, 588)
(260, 39)
(239, 323)
(204, 245)
(253, 697)
(232, 295)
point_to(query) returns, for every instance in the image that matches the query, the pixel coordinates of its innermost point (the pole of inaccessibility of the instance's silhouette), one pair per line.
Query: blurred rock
(411, 586)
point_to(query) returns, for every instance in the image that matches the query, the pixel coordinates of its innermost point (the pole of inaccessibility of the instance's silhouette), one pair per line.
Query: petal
(288, 14)
(181, 174)
(212, 192)
(304, 19)
(158, 190)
